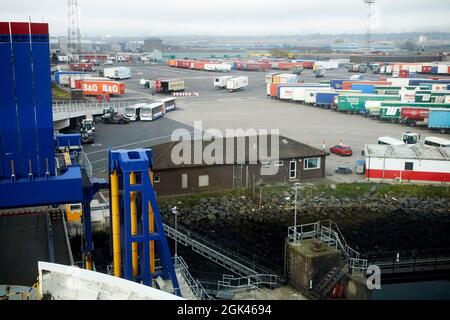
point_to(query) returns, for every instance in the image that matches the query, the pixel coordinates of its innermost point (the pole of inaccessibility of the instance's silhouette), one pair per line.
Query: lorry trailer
(167, 85)
(100, 87)
(117, 73)
(439, 119)
(221, 82)
(236, 84)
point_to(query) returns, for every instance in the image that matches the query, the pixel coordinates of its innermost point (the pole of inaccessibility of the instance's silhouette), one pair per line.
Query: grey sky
(232, 17)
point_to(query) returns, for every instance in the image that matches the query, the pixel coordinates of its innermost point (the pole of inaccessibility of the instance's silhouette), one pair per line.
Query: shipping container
(433, 96)
(337, 83)
(355, 103)
(87, 67)
(365, 88)
(99, 87)
(442, 68)
(325, 99)
(287, 78)
(439, 119)
(270, 76)
(236, 84)
(300, 93)
(311, 95)
(117, 73)
(392, 110)
(221, 82)
(347, 85)
(427, 69)
(63, 78)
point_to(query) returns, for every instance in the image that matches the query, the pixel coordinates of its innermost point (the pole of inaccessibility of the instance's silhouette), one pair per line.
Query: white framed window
(157, 179)
(203, 181)
(184, 181)
(311, 163)
(293, 169)
(279, 163)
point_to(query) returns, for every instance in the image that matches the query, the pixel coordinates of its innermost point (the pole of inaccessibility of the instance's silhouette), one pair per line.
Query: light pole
(175, 212)
(296, 185)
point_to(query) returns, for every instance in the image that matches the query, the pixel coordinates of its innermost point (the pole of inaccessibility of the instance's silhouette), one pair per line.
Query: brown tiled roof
(289, 149)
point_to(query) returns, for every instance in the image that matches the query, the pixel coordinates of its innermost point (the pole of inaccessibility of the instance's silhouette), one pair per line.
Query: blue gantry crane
(31, 174)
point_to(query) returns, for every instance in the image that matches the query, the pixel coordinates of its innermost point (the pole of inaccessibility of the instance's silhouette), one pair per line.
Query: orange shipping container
(347, 85)
(172, 63)
(274, 89)
(94, 88)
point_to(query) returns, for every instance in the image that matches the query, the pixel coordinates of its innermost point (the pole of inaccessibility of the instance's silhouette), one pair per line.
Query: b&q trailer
(99, 87)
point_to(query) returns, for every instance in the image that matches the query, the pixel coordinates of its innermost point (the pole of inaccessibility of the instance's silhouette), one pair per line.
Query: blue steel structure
(28, 173)
(139, 162)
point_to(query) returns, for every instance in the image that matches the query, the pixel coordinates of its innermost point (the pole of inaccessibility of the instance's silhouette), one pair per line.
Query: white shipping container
(117, 73)
(286, 78)
(399, 82)
(442, 68)
(311, 95)
(286, 93)
(299, 93)
(237, 83)
(221, 82)
(268, 89)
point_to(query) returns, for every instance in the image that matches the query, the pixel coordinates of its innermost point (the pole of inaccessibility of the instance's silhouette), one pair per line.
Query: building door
(184, 181)
(293, 169)
(238, 176)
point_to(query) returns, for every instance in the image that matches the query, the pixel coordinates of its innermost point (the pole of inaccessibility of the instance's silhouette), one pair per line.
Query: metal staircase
(328, 282)
(328, 233)
(239, 265)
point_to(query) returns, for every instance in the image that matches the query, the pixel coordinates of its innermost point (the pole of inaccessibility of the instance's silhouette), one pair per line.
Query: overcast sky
(232, 17)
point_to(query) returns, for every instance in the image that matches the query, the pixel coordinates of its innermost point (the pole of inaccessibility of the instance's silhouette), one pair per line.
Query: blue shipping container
(434, 70)
(365, 88)
(325, 99)
(337, 83)
(417, 82)
(439, 119)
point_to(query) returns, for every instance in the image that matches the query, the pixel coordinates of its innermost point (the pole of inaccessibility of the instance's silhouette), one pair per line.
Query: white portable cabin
(238, 83)
(407, 163)
(133, 112)
(221, 82)
(152, 111)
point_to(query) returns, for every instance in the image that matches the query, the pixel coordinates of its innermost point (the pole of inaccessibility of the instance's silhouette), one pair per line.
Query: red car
(342, 150)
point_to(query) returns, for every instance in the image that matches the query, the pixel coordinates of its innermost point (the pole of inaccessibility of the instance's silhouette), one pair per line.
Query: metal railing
(218, 254)
(329, 233)
(84, 162)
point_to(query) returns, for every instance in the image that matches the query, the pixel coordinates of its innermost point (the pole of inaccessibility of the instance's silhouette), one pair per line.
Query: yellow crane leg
(151, 220)
(114, 181)
(134, 227)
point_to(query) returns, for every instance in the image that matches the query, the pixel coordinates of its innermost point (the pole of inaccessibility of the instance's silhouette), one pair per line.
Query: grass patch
(344, 190)
(58, 93)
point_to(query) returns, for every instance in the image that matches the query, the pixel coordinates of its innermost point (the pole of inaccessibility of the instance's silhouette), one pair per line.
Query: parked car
(342, 150)
(344, 170)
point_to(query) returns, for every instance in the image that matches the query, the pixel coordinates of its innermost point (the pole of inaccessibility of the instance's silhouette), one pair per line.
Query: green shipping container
(393, 90)
(433, 96)
(391, 111)
(355, 103)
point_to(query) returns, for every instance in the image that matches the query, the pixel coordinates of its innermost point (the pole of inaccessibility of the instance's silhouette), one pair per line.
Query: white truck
(117, 73)
(221, 82)
(236, 84)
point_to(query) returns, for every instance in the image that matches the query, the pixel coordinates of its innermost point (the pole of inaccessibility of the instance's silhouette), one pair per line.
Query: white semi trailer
(236, 84)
